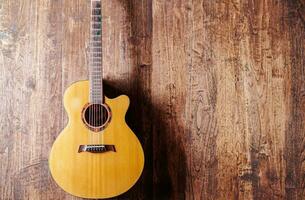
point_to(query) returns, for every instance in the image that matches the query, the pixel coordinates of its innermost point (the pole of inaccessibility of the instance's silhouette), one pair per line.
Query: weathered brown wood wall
(217, 91)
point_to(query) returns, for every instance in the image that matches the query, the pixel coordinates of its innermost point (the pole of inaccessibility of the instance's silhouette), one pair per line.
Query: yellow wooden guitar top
(95, 171)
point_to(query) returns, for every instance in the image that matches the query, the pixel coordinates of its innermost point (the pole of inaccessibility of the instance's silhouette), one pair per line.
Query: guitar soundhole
(96, 116)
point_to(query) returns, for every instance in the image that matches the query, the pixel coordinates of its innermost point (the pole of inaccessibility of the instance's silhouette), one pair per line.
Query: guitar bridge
(96, 148)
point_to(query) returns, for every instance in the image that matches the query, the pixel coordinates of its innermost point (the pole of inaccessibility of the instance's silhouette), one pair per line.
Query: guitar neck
(96, 54)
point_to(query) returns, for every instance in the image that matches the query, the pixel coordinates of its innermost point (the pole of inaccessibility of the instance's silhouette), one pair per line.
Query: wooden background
(217, 90)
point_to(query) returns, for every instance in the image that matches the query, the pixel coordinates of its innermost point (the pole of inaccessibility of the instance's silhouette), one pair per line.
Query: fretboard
(96, 56)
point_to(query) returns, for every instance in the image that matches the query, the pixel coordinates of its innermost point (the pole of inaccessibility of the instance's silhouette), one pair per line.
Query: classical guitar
(96, 155)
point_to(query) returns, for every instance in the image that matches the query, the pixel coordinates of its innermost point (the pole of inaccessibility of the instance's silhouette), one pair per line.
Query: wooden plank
(294, 151)
(30, 88)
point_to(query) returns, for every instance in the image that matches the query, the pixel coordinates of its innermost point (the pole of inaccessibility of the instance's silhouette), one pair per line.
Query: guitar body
(91, 174)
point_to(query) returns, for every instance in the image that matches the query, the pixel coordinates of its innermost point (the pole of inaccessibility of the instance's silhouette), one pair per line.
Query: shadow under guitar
(164, 174)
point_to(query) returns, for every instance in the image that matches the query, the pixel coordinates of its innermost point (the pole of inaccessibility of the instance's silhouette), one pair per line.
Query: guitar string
(99, 54)
(101, 76)
(95, 103)
(101, 80)
(102, 92)
(92, 81)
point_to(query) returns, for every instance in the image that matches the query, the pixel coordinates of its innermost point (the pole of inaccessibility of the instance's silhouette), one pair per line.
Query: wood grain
(216, 88)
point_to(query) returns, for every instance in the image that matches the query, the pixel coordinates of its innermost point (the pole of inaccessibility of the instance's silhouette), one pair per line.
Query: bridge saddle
(96, 148)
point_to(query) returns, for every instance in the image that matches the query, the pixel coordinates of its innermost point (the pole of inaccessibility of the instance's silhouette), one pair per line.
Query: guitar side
(95, 175)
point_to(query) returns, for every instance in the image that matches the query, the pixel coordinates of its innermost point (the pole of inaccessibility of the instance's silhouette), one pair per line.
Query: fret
(95, 44)
(95, 51)
(95, 48)
(96, 64)
(95, 29)
(97, 41)
(97, 72)
(97, 100)
(96, 54)
(96, 67)
(95, 60)
(96, 37)
(94, 83)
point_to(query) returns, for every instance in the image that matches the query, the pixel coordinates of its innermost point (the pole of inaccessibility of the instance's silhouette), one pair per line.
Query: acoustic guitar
(97, 155)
